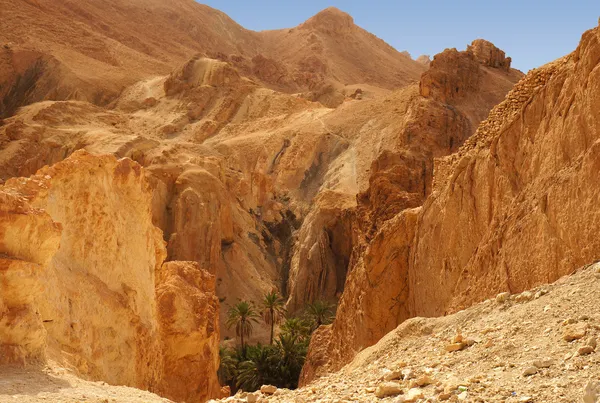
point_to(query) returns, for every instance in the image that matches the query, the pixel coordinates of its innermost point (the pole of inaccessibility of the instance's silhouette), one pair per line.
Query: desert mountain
(90, 51)
(172, 172)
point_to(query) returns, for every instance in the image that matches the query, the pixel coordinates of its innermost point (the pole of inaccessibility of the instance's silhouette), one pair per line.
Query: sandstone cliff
(513, 208)
(83, 284)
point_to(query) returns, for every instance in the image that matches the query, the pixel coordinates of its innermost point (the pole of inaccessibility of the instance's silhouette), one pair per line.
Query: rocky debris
(528, 362)
(388, 389)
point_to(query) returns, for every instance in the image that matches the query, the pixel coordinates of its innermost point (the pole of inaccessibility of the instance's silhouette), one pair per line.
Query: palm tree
(273, 311)
(292, 352)
(296, 327)
(321, 312)
(259, 368)
(227, 365)
(241, 315)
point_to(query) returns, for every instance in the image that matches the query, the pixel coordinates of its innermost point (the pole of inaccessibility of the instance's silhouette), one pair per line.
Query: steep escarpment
(409, 128)
(523, 192)
(513, 208)
(84, 286)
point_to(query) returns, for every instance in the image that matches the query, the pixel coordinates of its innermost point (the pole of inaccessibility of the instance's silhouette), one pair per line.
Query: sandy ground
(33, 384)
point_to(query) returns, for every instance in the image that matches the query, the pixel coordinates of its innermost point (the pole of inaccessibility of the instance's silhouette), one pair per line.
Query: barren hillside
(89, 50)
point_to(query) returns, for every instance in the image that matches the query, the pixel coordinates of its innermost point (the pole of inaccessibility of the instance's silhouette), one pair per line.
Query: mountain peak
(330, 19)
(488, 54)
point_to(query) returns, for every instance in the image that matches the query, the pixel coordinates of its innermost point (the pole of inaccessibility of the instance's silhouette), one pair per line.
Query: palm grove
(279, 363)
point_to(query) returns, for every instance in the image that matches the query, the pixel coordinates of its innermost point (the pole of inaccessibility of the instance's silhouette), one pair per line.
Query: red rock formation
(451, 76)
(517, 205)
(424, 59)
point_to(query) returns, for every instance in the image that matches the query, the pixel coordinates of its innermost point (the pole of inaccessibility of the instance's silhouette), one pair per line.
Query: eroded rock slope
(515, 207)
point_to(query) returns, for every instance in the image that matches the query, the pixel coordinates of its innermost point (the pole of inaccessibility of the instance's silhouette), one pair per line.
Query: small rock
(585, 350)
(574, 332)
(524, 297)
(388, 389)
(543, 363)
(444, 396)
(463, 395)
(591, 342)
(525, 399)
(458, 338)
(454, 347)
(251, 398)
(502, 297)
(268, 389)
(530, 371)
(392, 375)
(413, 395)
(408, 374)
(424, 380)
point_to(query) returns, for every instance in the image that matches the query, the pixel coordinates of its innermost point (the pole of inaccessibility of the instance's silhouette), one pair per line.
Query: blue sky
(532, 32)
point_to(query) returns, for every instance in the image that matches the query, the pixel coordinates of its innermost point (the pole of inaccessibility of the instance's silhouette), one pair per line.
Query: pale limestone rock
(388, 389)
(268, 389)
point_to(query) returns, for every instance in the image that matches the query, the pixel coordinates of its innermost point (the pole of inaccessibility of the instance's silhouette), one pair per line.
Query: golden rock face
(91, 292)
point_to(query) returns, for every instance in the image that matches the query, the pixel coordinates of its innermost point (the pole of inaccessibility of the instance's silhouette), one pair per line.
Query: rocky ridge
(527, 173)
(90, 51)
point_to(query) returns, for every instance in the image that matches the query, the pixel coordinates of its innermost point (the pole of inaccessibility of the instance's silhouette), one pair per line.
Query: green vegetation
(321, 313)
(273, 311)
(241, 315)
(279, 363)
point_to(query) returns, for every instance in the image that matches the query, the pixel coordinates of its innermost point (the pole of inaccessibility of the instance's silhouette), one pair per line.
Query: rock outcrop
(489, 55)
(517, 204)
(188, 315)
(424, 59)
(529, 173)
(451, 76)
(82, 277)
